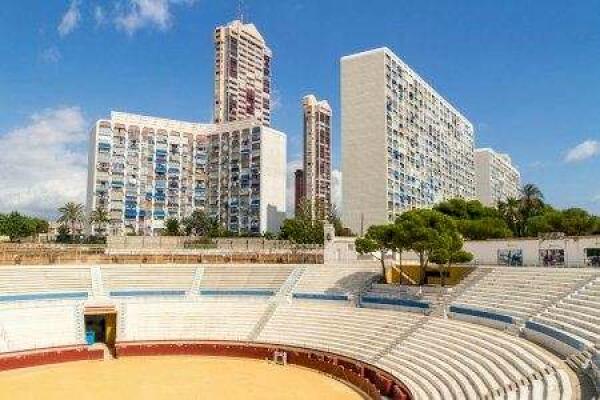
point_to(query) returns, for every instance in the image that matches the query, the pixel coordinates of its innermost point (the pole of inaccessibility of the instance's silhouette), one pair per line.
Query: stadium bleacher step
(579, 361)
(195, 288)
(97, 282)
(401, 338)
(262, 322)
(290, 283)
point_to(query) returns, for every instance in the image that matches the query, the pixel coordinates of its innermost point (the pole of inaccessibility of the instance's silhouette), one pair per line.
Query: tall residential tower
(403, 145)
(242, 74)
(317, 155)
(497, 178)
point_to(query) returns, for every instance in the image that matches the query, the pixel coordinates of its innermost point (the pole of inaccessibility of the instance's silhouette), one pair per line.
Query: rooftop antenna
(240, 10)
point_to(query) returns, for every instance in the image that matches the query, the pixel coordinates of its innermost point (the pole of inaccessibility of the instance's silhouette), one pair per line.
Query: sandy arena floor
(173, 378)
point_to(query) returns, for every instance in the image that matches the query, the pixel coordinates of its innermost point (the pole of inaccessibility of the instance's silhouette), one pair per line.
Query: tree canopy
(382, 239)
(431, 234)
(172, 227)
(302, 228)
(72, 216)
(198, 223)
(17, 226)
(526, 216)
(474, 220)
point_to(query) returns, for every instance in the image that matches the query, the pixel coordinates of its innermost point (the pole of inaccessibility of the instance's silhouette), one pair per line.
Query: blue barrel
(90, 337)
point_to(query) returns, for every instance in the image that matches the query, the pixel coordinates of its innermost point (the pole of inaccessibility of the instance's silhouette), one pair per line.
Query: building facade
(299, 190)
(403, 145)
(317, 155)
(247, 177)
(242, 74)
(497, 178)
(143, 170)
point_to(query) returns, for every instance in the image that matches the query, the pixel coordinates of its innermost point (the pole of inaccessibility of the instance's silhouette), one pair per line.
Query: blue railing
(45, 296)
(321, 296)
(236, 292)
(556, 334)
(403, 302)
(473, 312)
(146, 293)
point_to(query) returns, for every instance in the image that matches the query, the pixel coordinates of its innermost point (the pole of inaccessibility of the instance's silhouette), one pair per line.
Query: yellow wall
(457, 273)
(111, 328)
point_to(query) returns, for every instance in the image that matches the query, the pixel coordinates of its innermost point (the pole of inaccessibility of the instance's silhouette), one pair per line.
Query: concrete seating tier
(40, 325)
(521, 292)
(130, 278)
(447, 359)
(332, 279)
(37, 280)
(577, 316)
(432, 295)
(245, 277)
(360, 333)
(221, 318)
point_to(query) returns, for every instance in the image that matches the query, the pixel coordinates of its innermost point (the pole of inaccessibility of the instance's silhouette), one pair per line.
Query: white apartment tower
(317, 155)
(144, 170)
(242, 74)
(497, 178)
(403, 145)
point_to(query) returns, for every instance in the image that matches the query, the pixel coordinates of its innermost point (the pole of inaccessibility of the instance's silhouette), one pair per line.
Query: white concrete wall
(482, 178)
(273, 166)
(364, 149)
(486, 251)
(338, 250)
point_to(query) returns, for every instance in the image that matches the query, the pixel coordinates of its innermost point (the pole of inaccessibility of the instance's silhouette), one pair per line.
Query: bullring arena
(294, 331)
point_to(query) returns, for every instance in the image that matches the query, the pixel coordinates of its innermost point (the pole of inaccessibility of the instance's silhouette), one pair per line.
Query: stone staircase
(283, 295)
(401, 338)
(471, 280)
(195, 288)
(290, 283)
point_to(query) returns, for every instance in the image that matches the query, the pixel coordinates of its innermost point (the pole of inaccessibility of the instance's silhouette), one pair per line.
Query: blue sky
(526, 73)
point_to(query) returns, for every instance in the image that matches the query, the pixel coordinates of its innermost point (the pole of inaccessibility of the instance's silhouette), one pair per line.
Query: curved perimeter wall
(57, 355)
(369, 379)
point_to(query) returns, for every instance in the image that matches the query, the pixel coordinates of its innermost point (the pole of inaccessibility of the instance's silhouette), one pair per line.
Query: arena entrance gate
(101, 326)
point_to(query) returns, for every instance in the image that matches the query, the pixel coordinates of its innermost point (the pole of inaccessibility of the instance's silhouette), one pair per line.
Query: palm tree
(71, 214)
(511, 211)
(100, 218)
(532, 199)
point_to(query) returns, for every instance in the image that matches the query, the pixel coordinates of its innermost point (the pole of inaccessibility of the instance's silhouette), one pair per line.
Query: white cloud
(70, 19)
(43, 163)
(99, 15)
(139, 14)
(537, 164)
(583, 151)
(290, 195)
(51, 55)
(276, 103)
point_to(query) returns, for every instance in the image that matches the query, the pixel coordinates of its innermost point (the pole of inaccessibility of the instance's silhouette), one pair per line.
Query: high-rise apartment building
(403, 145)
(497, 178)
(144, 170)
(317, 155)
(247, 177)
(242, 74)
(299, 190)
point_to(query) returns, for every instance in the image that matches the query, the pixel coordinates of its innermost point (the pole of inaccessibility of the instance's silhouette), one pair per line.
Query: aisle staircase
(283, 295)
